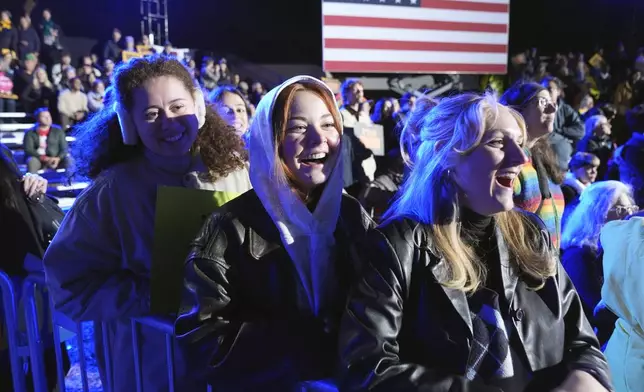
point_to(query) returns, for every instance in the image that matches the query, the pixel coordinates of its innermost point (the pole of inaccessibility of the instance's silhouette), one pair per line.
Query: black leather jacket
(403, 331)
(245, 317)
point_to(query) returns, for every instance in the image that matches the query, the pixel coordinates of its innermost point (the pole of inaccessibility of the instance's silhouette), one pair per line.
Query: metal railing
(34, 284)
(18, 352)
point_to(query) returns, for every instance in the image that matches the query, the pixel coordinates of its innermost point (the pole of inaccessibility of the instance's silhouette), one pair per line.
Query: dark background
(288, 31)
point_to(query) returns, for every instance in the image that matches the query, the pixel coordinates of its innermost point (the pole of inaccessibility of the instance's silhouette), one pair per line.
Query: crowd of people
(37, 72)
(495, 246)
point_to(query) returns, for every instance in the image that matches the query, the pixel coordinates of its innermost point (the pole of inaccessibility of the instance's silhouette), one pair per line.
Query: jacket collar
(458, 298)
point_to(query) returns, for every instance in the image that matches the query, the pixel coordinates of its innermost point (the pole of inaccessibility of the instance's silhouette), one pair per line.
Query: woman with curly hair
(154, 124)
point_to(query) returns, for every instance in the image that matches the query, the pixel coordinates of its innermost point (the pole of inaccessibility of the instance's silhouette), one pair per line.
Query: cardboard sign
(130, 55)
(372, 136)
(180, 214)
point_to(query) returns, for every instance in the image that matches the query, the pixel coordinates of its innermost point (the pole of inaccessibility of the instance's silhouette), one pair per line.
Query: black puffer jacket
(404, 332)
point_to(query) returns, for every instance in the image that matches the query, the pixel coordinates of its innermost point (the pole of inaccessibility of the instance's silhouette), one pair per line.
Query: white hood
(623, 291)
(308, 237)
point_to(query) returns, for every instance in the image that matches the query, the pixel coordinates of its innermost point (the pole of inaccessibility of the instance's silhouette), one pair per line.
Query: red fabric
(6, 85)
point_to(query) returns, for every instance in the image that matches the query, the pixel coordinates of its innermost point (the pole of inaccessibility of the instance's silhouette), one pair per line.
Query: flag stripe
(465, 5)
(337, 20)
(419, 36)
(413, 56)
(335, 43)
(387, 67)
(373, 33)
(410, 13)
(489, 1)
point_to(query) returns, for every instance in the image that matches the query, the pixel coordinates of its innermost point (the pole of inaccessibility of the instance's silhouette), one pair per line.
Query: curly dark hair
(99, 143)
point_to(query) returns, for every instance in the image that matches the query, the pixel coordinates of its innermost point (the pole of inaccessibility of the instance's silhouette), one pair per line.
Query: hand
(54, 162)
(33, 184)
(580, 381)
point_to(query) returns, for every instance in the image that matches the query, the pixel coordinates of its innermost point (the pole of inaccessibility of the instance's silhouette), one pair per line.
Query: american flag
(416, 36)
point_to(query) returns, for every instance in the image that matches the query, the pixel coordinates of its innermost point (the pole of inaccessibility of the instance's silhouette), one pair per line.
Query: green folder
(180, 214)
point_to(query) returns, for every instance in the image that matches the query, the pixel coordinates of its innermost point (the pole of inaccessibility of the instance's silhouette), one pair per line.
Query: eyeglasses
(545, 102)
(625, 210)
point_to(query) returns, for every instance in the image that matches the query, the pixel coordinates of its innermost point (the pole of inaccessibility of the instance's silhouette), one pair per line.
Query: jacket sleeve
(63, 147)
(372, 322)
(84, 266)
(227, 343)
(573, 127)
(582, 350)
(30, 147)
(578, 264)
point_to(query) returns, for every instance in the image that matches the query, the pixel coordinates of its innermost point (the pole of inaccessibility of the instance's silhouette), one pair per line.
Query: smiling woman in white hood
(267, 278)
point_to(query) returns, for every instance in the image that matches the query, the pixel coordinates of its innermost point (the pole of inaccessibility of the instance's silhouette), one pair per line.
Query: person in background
(407, 103)
(113, 47)
(537, 188)
(359, 162)
(236, 79)
(45, 144)
(379, 193)
(98, 265)
(257, 92)
(232, 107)
(108, 71)
(21, 241)
(598, 142)
(24, 77)
(601, 202)
(8, 34)
(96, 97)
(623, 96)
(583, 172)
(235, 181)
(622, 292)
(460, 291)
(628, 159)
(130, 45)
(568, 127)
(28, 39)
(266, 280)
(57, 71)
(225, 76)
(42, 92)
(7, 97)
(72, 104)
(210, 73)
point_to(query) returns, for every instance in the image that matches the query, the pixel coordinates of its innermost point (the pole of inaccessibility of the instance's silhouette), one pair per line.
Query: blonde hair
(443, 133)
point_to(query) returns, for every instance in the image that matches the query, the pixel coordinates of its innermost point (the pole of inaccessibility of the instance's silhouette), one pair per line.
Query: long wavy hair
(586, 221)
(99, 144)
(518, 97)
(445, 133)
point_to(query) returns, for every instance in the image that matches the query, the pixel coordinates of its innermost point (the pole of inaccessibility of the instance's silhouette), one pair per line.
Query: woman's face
(486, 175)
(164, 115)
(232, 109)
(621, 209)
(41, 75)
(311, 143)
(539, 115)
(586, 174)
